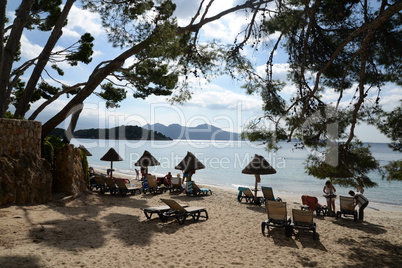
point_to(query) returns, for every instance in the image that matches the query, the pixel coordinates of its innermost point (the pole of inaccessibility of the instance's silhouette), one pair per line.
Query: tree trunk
(73, 122)
(94, 80)
(43, 59)
(3, 7)
(9, 52)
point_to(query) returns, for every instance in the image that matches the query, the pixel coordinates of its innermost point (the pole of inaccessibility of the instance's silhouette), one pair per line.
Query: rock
(29, 179)
(69, 174)
(25, 180)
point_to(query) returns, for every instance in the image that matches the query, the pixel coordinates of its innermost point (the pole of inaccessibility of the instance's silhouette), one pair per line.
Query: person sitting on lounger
(168, 179)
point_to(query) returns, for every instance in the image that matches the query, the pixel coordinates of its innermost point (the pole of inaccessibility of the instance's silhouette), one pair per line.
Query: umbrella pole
(111, 169)
(257, 180)
(255, 188)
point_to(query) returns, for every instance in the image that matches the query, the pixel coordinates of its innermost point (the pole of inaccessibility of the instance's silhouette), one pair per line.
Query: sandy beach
(97, 230)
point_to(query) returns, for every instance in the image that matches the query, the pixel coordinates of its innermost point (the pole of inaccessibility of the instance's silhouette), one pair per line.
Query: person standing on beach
(329, 190)
(143, 171)
(360, 200)
(137, 174)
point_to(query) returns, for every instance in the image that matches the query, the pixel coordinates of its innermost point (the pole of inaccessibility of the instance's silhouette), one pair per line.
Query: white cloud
(67, 32)
(80, 20)
(218, 98)
(390, 102)
(28, 49)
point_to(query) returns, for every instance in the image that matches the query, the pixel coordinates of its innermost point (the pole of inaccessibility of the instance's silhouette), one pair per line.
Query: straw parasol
(111, 156)
(258, 166)
(85, 150)
(147, 160)
(189, 164)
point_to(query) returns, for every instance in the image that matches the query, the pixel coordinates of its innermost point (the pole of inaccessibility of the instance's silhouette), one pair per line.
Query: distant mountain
(200, 132)
(116, 133)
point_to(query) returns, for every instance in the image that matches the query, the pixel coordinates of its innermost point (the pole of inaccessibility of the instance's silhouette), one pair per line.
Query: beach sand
(97, 230)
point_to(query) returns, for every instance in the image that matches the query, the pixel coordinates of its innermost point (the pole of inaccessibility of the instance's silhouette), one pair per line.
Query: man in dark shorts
(360, 200)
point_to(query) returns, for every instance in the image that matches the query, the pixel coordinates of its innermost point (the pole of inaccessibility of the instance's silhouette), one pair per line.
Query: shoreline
(296, 197)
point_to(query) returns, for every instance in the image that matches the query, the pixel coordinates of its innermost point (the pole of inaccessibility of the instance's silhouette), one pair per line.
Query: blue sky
(221, 102)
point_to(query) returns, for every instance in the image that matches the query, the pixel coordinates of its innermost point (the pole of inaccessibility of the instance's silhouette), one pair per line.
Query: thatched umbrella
(85, 150)
(147, 160)
(111, 156)
(258, 166)
(189, 164)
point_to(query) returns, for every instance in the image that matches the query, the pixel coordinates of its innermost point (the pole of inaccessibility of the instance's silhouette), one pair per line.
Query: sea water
(224, 161)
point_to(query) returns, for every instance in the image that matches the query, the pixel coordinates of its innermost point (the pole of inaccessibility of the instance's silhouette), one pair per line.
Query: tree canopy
(333, 47)
(163, 56)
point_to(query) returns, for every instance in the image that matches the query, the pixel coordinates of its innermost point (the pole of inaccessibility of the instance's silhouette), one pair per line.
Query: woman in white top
(329, 189)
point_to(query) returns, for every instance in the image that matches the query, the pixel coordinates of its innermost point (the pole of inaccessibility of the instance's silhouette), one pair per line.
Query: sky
(221, 102)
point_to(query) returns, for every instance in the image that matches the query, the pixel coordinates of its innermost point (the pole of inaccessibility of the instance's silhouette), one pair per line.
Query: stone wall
(68, 171)
(20, 136)
(25, 177)
(25, 180)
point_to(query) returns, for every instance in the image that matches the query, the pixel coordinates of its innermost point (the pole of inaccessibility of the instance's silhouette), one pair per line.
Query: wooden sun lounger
(248, 195)
(111, 186)
(181, 213)
(303, 221)
(124, 190)
(277, 216)
(153, 186)
(269, 194)
(158, 210)
(346, 207)
(200, 191)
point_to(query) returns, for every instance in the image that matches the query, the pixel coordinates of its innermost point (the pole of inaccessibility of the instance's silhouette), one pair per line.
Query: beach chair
(346, 207)
(149, 211)
(248, 195)
(110, 186)
(153, 186)
(311, 203)
(152, 210)
(200, 191)
(176, 185)
(124, 190)
(269, 194)
(277, 216)
(303, 221)
(181, 213)
(98, 184)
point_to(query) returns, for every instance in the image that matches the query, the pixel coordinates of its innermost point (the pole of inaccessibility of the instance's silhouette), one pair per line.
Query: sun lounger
(124, 190)
(311, 203)
(159, 210)
(153, 186)
(269, 194)
(200, 191)
(303, 220)
(240, 194)
(111, 186)
(98, 184)
(181, 213)
(277, 216)
(347, 207)
(152, 210)
(176, 185)
(248, 195)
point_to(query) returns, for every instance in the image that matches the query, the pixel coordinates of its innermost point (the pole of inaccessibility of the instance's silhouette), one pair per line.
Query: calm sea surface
(224, 161)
